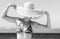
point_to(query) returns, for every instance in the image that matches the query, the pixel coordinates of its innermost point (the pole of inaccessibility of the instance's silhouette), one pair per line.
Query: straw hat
(28, 10)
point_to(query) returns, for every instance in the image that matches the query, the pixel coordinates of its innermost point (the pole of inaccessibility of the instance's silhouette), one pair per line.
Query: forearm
(7, 8)
(5, 12)
(48, 21)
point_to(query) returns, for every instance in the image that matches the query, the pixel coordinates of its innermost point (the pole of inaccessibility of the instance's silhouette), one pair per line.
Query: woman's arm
(48, 19)
(48, 25)
(6, 17)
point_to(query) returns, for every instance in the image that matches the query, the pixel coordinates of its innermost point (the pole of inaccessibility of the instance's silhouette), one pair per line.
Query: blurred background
(52, 6)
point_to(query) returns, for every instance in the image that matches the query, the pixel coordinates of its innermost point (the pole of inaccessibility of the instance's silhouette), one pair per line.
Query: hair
(29, 5)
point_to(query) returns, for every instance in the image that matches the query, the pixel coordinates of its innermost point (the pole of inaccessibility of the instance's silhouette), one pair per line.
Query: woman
(24, 24)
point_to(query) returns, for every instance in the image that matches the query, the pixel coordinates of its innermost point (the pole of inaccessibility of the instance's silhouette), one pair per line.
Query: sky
(52, 6)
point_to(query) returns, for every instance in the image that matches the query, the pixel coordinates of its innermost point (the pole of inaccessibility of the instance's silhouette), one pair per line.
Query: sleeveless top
(24, 26)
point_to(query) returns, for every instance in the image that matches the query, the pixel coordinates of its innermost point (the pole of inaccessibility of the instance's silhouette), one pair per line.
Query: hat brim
(28, 13)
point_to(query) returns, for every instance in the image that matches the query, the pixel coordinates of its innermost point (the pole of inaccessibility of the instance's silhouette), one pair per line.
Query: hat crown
(29, 5)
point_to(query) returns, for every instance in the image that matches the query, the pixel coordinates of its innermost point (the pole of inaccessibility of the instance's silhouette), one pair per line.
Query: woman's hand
(12, 5)
(45, 12)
